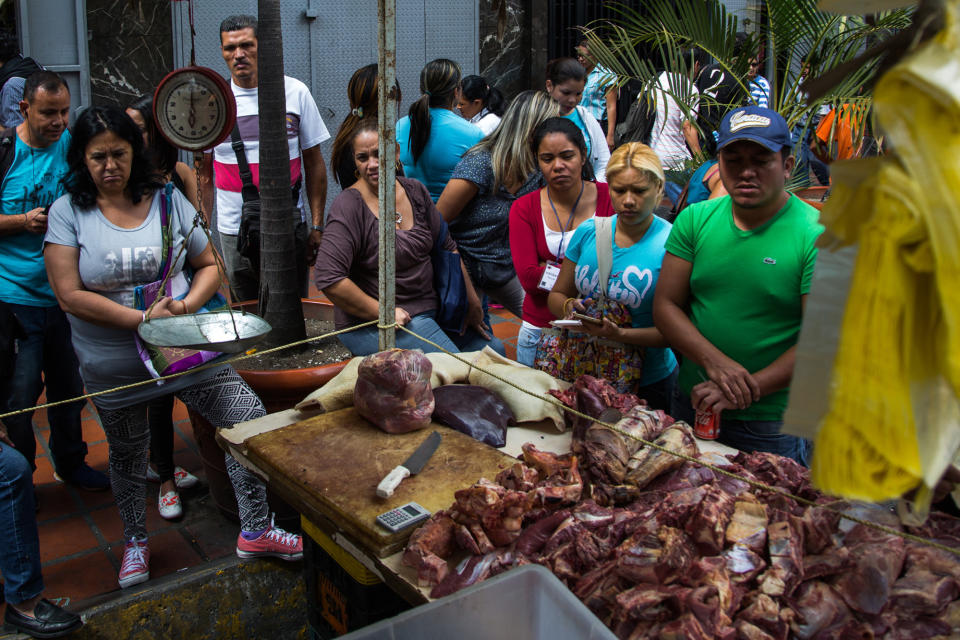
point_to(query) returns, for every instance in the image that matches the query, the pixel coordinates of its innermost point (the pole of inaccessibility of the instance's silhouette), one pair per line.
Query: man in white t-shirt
(220, 169)
(676, 98)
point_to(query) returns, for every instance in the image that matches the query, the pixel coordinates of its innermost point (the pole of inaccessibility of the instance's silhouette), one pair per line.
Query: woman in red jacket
(542, 222)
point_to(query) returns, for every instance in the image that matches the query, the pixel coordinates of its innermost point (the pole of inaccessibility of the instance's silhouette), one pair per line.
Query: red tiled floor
(179, 411)
(511, 350)
(92, 431)
(108, 520)
(44, 472)
(169, 552)
(505, 330)
(97, 456)
(94, 499)
(65, 538)
(79, 578)
(56, 500)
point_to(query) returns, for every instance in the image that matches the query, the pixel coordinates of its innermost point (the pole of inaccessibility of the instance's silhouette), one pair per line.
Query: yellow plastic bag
(893, 422)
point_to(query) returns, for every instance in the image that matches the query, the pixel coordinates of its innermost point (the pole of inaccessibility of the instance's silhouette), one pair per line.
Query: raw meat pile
(393, 390)
(678, 551)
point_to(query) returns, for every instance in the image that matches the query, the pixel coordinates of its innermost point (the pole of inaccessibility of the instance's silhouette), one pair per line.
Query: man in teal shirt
(45, 356)
(732, 287)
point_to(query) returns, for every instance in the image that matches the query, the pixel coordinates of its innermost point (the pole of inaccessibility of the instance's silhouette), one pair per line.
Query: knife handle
(387, 486)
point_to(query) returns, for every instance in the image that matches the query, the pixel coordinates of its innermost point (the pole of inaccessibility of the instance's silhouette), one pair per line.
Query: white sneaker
(183, 478)
(169, 505)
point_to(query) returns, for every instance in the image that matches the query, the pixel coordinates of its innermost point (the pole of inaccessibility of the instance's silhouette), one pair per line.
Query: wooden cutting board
(329, 467)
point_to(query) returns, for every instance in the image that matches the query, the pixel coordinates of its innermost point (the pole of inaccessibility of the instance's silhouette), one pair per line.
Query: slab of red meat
(774, 470)
(607, 452)
(532, 539)
(941, 527)
(920, 592)
(832, 561)
(764, 612)
(785, 547)
(743, 565)
(518, 477)
(592, 396)
(470, 571)
(748, 524)
(919, 629)
(878, 559)
(818, 608)
(649, 463)
(708, 525)
(428, 548)
(689, 475)
(393, 390)
(686, 627)
(749, 631)
(712, 571)
(818, 525)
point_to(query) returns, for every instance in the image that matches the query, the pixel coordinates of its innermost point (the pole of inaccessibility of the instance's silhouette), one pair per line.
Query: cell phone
(590, 319)
(565, 324)
(403, 516)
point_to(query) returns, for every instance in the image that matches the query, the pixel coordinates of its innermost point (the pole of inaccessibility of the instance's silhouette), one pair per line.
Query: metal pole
(387, 123)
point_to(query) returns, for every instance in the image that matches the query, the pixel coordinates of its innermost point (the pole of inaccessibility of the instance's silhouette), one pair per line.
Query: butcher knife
(412, 466)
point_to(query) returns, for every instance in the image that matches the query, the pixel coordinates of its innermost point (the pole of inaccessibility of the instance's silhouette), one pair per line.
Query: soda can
(707, 425)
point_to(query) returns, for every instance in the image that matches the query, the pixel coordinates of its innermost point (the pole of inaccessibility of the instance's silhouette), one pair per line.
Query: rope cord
(756, 484)
(753, 483)
(209, 365)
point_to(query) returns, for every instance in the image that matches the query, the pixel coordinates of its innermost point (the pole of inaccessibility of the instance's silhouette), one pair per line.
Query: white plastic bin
(527, 602)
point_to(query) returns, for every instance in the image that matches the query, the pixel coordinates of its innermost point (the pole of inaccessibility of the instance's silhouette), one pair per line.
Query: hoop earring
(356, 174)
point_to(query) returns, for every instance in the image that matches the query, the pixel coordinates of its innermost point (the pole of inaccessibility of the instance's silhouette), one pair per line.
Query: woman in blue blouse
(433, 137)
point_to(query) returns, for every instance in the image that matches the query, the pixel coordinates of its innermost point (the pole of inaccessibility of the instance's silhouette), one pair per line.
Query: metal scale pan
(215, 331)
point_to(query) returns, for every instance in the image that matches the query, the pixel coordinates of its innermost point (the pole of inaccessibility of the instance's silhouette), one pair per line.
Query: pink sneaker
(273, 542)
(136, 564)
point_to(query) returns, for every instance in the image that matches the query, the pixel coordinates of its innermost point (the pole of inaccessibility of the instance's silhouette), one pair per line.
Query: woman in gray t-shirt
(99, 242)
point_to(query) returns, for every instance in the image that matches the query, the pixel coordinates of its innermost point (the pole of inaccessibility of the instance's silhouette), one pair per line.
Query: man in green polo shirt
(732, 287)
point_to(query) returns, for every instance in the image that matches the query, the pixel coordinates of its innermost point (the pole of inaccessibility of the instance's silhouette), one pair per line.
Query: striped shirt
(305, 129)
(594, 100)
(760, 92)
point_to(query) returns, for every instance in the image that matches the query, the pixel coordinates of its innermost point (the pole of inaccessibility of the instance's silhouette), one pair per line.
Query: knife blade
(412, 466)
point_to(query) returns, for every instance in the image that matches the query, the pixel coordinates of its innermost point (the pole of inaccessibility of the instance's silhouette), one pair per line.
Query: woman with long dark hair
(172, 478)
(116, 203)
(566, 79)
(481, 104)
(487, 181)
(347, 269)
(363, 94)
(432, 137)
(542, 222)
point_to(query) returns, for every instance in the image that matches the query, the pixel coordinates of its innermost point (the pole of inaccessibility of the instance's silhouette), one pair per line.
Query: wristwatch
(317, 227)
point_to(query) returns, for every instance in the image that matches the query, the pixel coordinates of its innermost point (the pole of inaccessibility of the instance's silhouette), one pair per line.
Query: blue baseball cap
(764, 126)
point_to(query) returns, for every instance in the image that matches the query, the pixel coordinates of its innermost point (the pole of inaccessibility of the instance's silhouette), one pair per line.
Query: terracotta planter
(279, 390)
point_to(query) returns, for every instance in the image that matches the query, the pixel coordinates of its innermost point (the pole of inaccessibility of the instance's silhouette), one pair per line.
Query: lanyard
(573, 212)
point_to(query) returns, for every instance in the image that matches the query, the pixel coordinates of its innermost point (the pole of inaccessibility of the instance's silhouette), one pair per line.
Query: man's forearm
(778, 374)
(12, 224)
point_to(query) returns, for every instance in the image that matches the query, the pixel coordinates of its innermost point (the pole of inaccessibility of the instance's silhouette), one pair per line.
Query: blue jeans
(672, 191)
(19, 540)
(46, 350)
(659, 395)
(527, 339)
(363, 342)
(748, 435)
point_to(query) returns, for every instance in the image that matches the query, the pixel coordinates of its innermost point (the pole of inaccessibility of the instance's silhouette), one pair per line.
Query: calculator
(403, 516)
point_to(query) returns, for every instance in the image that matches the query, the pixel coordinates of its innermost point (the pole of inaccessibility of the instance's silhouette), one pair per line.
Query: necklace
(573, 213)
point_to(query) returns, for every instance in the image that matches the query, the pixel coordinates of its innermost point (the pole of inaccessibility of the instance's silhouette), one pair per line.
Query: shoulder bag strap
(165, 205)
(8, 144)
(249, 191)
(604, 233)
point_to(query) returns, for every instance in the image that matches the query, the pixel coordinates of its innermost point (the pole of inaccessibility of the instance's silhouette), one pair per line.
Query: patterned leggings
(223, 400)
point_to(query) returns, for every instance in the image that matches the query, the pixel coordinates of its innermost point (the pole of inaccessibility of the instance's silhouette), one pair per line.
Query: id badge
(550, 273)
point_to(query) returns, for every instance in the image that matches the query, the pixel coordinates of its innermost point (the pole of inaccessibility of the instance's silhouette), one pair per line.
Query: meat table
(327, 466)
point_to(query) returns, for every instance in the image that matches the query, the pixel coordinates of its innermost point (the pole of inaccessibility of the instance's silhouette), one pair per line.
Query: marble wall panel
(505, 61)
(130, 48)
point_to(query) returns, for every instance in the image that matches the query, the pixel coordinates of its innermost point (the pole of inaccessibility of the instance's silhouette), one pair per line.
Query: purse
(163, 361)
(567, 355)
(449, 284)
(248, 234)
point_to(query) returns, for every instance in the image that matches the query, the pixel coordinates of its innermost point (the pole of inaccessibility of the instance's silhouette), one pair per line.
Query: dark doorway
(567, 15)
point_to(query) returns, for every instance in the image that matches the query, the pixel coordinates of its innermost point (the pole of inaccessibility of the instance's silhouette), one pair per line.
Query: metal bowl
(224, 331)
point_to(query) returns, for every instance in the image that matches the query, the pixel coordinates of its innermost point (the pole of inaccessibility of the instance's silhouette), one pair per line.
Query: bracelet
(569, 301)
(186, 310)
(317, 227)
(143, 317)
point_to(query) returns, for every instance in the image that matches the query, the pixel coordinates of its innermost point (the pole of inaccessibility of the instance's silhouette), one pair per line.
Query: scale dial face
(194, 108)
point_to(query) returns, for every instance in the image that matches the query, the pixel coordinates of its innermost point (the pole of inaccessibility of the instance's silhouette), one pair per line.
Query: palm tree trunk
(279, 294)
